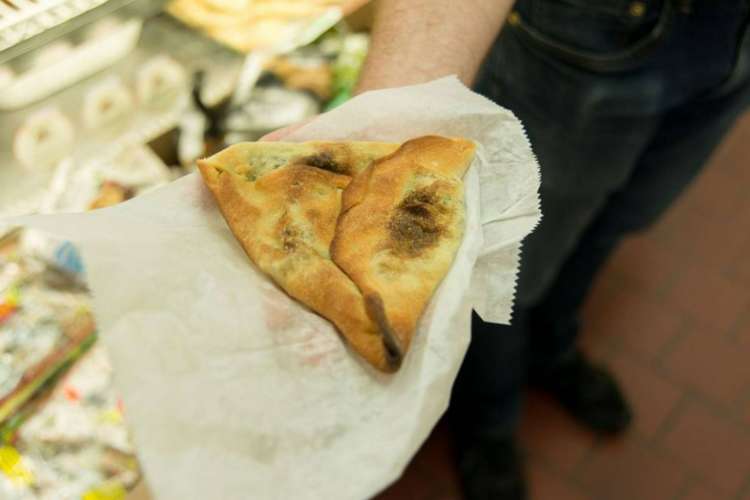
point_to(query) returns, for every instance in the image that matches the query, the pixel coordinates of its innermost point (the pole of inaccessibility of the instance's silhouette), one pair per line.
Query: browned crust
(314, 216)
(402, 280)
(304, 271)
(350, 158)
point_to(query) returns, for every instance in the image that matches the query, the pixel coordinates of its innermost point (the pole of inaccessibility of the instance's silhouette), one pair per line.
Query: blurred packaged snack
(266, 25)
(62, 434)
(43, 139)
(99, 185)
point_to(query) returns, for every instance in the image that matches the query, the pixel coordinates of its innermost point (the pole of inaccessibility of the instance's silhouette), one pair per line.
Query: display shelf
(22, 188)
(29, 24)
(23, 19)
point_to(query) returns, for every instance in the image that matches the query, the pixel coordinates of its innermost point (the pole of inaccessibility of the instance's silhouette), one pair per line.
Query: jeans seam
(619, 61)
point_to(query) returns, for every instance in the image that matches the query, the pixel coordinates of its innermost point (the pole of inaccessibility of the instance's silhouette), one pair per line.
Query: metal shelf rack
(29, 24)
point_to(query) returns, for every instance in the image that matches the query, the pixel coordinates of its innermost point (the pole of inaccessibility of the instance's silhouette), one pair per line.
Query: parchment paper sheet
(233, 390)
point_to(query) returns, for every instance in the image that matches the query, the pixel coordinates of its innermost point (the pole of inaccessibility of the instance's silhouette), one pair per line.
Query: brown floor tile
(742, 331)
(731, 157)
(700, 239)
(674, 227)
(627, 470)
(745, 417)
(712, 447)
(738, 266)
(545, 484)
(596, 342)
(713, 365)
(704, 492)
(594, 338)
(645, 263)
(600, 296)
(550, 435)
(652, 397)
(709, 297)
(638, 322)
(712, 241)
(720, 190)
(716, 193)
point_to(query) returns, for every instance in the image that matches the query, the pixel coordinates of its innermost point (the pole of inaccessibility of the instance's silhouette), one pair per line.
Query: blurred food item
(57, 357)
(13, 466)
(9, 243)
(60, 64)
(290, 88)
(9, 304)
(106, 102)
(111, 193)
(52, 53)
(237, 6)
(62, 433)
(79, 447)
(62, 430)
(314, 75)
(103, 27)
(191, 140)
(255, 25)
(107, 491)
(347, 67)
(159, 76)
(7, 76)
(45, 323)
(44, 139)
(269, 109)
(96, 185)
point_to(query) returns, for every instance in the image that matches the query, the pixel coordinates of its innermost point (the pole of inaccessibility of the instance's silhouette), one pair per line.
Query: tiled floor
(671, 316)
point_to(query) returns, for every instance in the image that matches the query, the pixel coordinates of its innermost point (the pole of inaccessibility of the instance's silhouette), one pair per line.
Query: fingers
(281, 133)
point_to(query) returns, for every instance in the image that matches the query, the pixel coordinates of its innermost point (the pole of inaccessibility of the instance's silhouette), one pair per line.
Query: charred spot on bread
(325, 160)
(394, 351)
(417, 223)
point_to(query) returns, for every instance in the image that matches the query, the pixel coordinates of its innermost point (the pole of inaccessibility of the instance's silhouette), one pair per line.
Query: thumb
(281, 133)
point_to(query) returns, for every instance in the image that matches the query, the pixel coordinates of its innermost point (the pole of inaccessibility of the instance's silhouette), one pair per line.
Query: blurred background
(102, 100)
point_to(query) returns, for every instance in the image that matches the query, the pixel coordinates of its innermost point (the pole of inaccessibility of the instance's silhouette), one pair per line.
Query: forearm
(414, 41)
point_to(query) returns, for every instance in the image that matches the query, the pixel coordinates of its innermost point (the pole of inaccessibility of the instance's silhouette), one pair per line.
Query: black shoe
(491, 469)
(588, 392)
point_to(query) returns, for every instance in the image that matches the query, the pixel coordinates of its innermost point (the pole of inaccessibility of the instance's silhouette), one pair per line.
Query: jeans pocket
(596, 35)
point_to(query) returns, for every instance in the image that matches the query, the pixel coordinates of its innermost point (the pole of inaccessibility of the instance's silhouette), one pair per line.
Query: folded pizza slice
(402, 222)
(255, 159)
(282, 201)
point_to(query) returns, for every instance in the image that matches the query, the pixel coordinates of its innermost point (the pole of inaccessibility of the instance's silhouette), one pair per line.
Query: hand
(280, 134)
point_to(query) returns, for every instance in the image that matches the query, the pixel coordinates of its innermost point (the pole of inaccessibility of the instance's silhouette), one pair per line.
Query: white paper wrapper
(235, 391)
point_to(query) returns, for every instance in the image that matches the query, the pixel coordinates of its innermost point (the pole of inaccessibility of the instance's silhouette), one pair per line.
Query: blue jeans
(622, 108)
